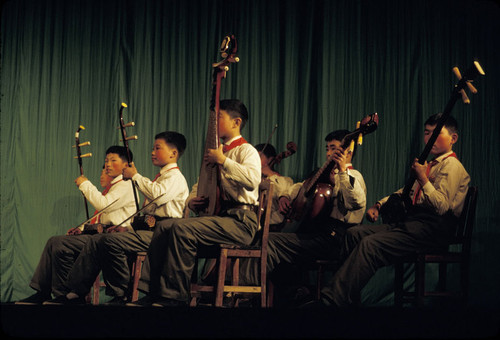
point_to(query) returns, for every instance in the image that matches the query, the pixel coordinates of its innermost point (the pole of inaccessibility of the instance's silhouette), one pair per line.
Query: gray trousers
(371, 247)
(175, 243)
(57, 259)
(109, 253)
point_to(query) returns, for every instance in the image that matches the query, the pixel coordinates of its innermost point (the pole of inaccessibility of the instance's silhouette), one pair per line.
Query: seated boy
(60, 252)
(175, 243)
(438, 195)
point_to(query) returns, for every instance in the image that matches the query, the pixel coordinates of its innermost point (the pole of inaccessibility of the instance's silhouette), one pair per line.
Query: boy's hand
(215, 156)
(373, 212)
(129, 171)
(284, 205)
(420, 172)
(197, 204)
(80, 179)
(117, 229)
(339, 157)
(74, 231)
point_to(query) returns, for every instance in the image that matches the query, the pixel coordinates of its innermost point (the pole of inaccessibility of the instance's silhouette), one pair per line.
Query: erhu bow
(79, 156)
(125, 140)
(397, 206)
(209, 179)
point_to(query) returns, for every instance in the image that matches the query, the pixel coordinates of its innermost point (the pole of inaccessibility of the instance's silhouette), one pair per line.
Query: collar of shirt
(443, 156)
(117, 179)
(168, 167)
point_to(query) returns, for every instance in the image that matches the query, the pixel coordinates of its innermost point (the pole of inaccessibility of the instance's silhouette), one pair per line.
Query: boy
(281, 183)
(325, 236)
(438, 197)
(111, 251)
(60, 252)
(173, 249)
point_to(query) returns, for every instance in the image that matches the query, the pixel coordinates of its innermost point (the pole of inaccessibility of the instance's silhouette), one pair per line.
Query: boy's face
(226, 124)
(331, 146)
(444, 142)
(114, 165)
(163, 153)
(105, 180)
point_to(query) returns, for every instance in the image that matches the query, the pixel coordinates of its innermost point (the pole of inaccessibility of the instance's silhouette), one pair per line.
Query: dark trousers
(109, 253)
(370, 247)
(57, 260)
(175, 242)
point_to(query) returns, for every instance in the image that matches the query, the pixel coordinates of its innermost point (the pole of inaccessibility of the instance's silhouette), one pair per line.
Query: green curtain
(309, 66)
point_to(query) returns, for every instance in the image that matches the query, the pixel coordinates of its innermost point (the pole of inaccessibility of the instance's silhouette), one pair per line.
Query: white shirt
(173, 184)
(240, 174)
(121, 209)
(281, 186)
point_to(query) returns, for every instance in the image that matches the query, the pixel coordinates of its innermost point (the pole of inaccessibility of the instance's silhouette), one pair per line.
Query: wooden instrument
(396, 208)
(291, 148)
(89, 228)
(125, 140)
(79, 156)
(316, 191)
(209, 179)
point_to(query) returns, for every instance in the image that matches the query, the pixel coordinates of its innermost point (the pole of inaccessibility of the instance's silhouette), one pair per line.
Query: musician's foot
(165, 302)
(64, 300)
(36, 299)
(145, 301)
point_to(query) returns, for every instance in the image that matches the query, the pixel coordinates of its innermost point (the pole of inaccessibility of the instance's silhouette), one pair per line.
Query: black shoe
(166, 302)
(146, 301)
(63, 300)
(117, 301)
(36, 299)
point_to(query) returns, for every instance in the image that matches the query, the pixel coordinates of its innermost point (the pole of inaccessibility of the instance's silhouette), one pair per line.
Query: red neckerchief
(235, 143)
(104, 192)
(418, 191)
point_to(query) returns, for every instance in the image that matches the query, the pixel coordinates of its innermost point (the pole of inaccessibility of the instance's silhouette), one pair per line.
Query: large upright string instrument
(397, 206)
(79, 157)
(209, 179)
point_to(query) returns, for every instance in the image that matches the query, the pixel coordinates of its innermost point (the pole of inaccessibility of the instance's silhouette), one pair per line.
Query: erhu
(79, 156)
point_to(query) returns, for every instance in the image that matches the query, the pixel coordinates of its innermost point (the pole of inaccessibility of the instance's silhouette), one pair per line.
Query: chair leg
(221, 278)
(420, 281)
(136, 270)
(398, 284)
(96, 289)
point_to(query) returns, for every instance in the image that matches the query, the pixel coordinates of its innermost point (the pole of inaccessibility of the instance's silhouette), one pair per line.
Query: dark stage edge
(207, 322)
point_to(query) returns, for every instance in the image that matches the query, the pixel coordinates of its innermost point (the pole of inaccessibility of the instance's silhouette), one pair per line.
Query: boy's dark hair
(120, 151)
(269, 150)
(450, 123)
(174, 138)
(235, 109)
(336, 135)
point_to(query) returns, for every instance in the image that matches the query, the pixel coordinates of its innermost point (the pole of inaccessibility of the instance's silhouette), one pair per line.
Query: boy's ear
(237, 122)
(175, 153)
(454, 138)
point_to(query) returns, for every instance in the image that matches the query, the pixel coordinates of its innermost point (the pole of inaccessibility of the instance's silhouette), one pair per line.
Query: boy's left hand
(116, 229)
(420, 172)
(129, 171)
(215, 156)
(80, 179)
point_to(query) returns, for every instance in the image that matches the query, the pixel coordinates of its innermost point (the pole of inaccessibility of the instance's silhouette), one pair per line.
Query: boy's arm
(247, 170)
(100, 201)
(172, 187)
(353, 189)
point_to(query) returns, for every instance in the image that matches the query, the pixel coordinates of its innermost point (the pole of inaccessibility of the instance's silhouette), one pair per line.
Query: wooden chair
(228, 257)
(462, 240)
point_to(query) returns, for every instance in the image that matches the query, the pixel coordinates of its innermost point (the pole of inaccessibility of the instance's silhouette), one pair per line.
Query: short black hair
(269, 151)
(236, 109)
(120, 151)
(174, 138)
(336, 135)
(451, 123)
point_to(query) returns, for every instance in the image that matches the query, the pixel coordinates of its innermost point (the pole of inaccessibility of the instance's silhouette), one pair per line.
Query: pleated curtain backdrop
(309, 66)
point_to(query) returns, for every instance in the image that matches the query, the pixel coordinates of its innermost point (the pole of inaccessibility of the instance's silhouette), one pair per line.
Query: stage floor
(208, 322)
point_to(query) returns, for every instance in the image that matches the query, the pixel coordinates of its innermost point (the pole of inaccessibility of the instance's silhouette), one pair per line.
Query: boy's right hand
(197, 203)
(74, 231)
(373, 212)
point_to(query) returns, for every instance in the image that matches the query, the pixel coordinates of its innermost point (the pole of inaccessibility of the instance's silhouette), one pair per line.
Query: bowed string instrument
(209, 179)
(314, 197)
(125, 140)
(397, 206)
(291, 148)
(79, 157)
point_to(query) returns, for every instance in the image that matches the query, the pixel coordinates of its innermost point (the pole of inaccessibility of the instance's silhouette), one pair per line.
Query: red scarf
(235, 143)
